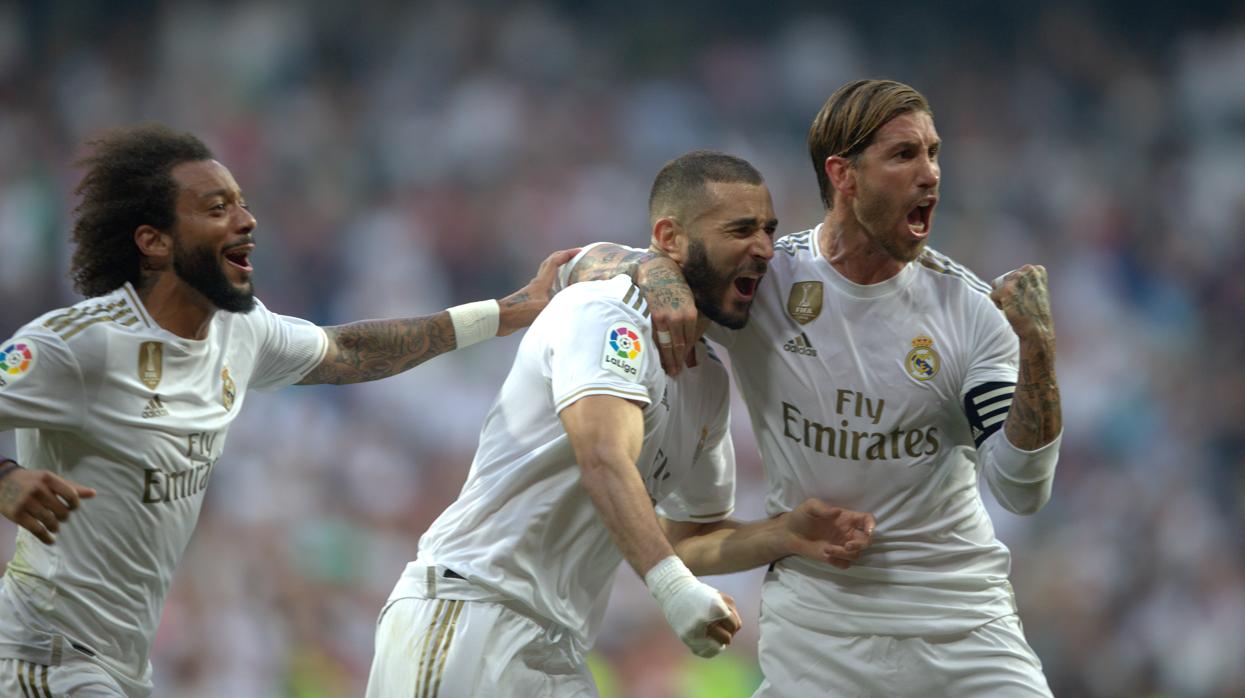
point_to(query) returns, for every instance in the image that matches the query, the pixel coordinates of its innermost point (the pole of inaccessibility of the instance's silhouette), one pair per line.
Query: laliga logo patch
(922, 362)
(622, 350)
(16, 360)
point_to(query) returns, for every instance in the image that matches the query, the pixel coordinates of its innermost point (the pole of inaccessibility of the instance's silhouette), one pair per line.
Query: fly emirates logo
(844, 440)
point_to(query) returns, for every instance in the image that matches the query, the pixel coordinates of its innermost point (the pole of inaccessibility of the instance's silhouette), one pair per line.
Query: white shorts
(991, 661)
(22, 679)
(455, 648)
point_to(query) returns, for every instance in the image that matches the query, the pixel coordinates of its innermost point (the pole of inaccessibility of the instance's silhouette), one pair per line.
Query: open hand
(38, 500)
(519, 309)
(829, 534)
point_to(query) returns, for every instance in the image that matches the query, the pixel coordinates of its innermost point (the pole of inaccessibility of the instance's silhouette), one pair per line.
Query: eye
(933, 152)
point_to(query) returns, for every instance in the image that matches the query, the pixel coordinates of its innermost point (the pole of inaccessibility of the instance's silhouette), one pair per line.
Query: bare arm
(815, 530)
(607, 433)
(1035, 417)
(373, 349)
(669, 298)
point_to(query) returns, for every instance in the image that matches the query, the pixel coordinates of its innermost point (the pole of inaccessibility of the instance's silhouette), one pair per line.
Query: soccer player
(586, 437)
(882, 376)
(127, 397)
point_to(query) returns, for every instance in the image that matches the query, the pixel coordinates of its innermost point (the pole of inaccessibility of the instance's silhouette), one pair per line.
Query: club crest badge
(16, 360)
(922, 362)
(623, 350)
(151, 363)
(228, 390)
(804, 301)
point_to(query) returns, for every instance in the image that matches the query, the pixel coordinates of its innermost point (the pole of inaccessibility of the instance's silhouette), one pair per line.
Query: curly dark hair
(127, 184)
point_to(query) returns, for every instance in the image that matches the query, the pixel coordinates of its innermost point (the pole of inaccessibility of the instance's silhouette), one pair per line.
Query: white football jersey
(874, 398)
(523, 526)
(101, 395)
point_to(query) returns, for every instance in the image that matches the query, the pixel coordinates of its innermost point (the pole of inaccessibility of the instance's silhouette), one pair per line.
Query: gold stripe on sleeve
(138, 306)
(94, 321)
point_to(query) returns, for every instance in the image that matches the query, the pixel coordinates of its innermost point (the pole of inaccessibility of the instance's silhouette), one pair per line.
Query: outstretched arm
(669, 299)
(373, 349)
(814, 530)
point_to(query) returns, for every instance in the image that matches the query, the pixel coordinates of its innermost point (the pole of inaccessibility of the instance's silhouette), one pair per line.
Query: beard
(877, 218)
(201, 270)
(709, 285)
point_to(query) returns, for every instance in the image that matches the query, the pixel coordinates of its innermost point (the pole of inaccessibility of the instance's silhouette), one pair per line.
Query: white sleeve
(288, 348)
(1020, 480)
(995, 348)
(41, 383)
(600, 347)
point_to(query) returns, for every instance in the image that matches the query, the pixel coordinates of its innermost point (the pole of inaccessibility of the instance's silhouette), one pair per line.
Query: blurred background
(402, 157)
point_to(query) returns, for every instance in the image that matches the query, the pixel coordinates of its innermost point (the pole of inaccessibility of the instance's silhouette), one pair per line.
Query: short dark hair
(850, 119)
(128, 183)
(681, 183)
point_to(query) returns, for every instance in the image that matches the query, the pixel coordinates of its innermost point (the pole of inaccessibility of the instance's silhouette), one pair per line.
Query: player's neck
(175, 306)
(851, 252)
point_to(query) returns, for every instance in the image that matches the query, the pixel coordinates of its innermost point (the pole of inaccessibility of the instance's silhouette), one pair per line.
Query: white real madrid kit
(511, 581)
(101, 395)
(883, 399)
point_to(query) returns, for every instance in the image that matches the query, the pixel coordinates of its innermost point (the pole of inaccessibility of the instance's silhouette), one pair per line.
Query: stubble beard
(708, 286)
(874, 213)
(201, 270)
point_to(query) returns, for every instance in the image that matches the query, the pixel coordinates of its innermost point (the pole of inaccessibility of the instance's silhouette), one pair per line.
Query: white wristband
(475, 322)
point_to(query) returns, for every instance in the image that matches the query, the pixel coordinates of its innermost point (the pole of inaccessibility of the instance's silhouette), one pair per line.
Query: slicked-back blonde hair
(850, 119)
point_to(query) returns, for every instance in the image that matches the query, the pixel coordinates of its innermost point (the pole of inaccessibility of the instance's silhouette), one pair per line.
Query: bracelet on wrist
(8, 465)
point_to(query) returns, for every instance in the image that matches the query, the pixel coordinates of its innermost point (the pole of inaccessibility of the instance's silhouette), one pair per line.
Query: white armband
(475, 322)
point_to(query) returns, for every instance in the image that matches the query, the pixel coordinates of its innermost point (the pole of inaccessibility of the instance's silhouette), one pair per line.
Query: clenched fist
(1024, 298)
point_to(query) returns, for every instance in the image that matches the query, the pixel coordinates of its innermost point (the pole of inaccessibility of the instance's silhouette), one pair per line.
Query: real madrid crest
(804, 301)
(228, 391)
(151, 363)
(922, 362)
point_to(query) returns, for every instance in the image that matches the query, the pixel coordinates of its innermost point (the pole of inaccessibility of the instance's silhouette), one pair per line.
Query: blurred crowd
(402, 157)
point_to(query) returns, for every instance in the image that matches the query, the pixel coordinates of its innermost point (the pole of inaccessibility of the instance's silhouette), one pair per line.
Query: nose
(246, 220)
(763, 246)
(930, 173)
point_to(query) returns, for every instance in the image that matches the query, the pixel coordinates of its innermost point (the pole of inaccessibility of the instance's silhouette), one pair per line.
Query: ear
(842, 175)
(156, 246)
(669, 237)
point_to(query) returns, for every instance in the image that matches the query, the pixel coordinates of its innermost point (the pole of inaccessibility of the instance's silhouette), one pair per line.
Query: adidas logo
(155, 408)
(800, 345)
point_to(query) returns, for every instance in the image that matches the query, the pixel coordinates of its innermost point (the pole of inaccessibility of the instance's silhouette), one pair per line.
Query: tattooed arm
(661, 281)
(372, 349)
(1035, 417)
(1019, 463)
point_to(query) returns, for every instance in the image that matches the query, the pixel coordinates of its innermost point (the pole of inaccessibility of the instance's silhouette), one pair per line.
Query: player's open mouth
(747, 285)
(240, 256)
(919, 217)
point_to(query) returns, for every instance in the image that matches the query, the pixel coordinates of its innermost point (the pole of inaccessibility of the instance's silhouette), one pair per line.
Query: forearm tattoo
(663, 286)
(1035, 417)
(372, 349)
